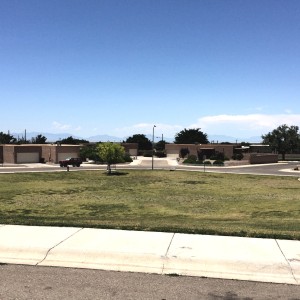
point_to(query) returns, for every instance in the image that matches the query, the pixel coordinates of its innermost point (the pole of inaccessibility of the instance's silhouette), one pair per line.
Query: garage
(28, 157)
(133, 152)
(63, 156)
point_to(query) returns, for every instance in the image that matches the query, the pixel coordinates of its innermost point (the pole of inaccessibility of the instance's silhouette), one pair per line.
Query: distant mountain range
(52, 137)
(231, 139)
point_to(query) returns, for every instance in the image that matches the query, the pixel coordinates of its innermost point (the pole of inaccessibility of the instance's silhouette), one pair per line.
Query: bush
(238, 156)
(89, 151)
(218, 156)
(184, 152)
(160, 154)
(127, 158)
(192, 159)
(148, 153)
(207, 162)
(218, 163)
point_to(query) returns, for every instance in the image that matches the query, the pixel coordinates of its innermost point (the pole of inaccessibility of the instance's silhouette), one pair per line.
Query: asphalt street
(278, 169)
(35, 283)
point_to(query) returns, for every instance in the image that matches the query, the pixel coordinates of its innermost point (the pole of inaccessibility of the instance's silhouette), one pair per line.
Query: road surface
(35, 283)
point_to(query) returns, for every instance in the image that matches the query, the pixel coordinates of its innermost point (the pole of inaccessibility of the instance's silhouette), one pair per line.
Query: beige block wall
(263, 158)
(1, 154)
(9, 154)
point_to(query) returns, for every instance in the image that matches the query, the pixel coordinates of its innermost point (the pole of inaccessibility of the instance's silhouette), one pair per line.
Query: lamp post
(153, 146)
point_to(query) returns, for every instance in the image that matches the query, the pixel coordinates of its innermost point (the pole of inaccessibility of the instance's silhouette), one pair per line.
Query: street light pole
(153, 146)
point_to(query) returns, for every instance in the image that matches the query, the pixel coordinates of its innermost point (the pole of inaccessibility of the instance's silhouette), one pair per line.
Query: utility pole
(153, 146)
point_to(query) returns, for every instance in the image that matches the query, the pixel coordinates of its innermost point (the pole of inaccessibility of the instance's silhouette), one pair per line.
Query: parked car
(73, 161)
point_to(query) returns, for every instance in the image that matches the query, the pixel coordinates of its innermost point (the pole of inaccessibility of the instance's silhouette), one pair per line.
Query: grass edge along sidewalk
(187, 202)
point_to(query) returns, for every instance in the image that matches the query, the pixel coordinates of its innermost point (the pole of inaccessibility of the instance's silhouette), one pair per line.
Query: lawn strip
(189, 202)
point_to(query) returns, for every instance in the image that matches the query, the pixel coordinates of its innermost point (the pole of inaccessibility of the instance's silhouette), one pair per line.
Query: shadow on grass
(116, 173)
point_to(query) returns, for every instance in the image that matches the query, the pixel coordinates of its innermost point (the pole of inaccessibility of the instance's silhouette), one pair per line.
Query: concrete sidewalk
(265, 260)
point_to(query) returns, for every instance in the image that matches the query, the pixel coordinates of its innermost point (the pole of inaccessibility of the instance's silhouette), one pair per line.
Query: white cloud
(59, 126)
(239, 126)
(63, 127)
(244, 125)
(146, 128)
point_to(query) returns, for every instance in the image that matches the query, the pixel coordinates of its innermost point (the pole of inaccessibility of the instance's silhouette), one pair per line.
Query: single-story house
(37, 153)
(254, 154)
(207, 150)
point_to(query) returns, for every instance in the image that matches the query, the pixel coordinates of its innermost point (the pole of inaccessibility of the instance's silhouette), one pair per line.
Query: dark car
(75, 162)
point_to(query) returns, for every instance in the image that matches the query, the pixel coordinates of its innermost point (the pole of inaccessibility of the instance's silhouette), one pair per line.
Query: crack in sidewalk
(288, 262)
(166, 254)
(58, 245)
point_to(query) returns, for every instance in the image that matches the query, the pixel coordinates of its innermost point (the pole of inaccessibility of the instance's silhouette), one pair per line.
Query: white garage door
(62, 156)
(133, 152)
(28, 157)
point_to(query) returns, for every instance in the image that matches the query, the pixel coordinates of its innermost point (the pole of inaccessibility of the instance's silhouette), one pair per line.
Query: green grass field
(177, 201)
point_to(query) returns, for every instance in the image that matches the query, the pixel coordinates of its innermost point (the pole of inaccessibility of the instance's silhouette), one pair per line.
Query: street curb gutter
(265, 260)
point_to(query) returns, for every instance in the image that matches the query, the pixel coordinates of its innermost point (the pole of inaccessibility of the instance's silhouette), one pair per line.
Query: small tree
(111, 153)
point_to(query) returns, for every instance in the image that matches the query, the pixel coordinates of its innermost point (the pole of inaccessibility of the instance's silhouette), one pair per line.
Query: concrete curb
(230, 258)
(265, 260)
(30, 244)
(117, 250)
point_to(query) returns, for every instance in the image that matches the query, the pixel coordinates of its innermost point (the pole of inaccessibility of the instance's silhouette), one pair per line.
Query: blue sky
(117, 67)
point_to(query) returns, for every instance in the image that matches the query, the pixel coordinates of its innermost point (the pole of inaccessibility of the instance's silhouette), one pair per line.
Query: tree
(21, 140)
(283, 139)
(111, 153)
(160, 145)
(39, 139)
(72, 141)
(142, 140)
(6, 138)
(191, 136)
(89, 151)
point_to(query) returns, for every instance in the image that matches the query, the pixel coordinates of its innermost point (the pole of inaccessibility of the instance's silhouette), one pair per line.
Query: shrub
(238, 156)
(160, 154)
(127, 157)
(218, 156)
(148, 153)
(207, 162)
(192, 159)
(218, 163)
(184, 152)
